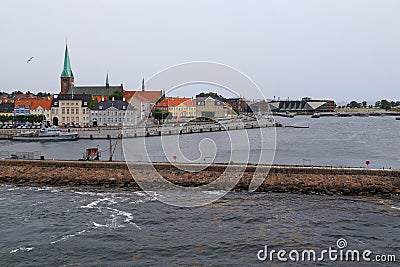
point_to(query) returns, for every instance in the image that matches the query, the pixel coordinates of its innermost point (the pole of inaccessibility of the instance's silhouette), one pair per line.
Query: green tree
(160, 115)
(118, 95)
(16, 92)
(354, 104)
(364, 104)
(385, 104)
(5, 118)
(40, 94)
(20, 118)
(93, 102)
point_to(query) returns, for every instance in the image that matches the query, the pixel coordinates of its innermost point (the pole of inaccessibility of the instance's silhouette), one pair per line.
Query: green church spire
(67, 71)
(107, 83)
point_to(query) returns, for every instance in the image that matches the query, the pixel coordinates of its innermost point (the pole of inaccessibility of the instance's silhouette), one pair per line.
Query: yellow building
(181, 108)
(70, 110)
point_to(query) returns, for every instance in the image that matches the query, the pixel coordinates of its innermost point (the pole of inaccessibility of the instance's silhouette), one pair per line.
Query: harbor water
(87, 227)
(348, 141)
(59, 226)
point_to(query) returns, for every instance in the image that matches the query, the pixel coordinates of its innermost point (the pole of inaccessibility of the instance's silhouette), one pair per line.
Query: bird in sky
(29, 60)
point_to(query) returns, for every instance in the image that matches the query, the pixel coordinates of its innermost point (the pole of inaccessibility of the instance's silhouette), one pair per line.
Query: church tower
(67, 77)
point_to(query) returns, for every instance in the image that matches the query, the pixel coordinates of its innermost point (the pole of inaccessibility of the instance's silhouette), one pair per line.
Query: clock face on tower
(65, 84)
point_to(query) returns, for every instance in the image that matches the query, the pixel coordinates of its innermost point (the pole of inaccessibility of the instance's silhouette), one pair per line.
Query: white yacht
(52, 133)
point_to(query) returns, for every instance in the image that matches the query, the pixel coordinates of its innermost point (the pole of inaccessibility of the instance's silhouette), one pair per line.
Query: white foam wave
(65, 237)
(88, 193)
(128, 216)
(23, 249)
(140, 193)
(112, 225)
(94, 204)
(216, 192)
(144, 200)
(396, 208)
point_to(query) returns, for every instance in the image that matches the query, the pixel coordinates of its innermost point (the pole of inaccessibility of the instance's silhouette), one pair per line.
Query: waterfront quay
(153, 130)
(294, 179)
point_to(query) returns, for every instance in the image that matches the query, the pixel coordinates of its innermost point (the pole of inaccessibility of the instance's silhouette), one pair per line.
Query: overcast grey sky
(340, 49)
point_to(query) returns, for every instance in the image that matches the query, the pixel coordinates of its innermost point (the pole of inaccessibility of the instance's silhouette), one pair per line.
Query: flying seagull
(29, 60)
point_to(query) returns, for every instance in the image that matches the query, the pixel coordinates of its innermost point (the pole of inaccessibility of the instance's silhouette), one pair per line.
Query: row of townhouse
(73, 110)
(202, 106)
(32, 106)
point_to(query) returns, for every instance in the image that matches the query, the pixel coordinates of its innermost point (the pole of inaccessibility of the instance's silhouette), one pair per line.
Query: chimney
(123, 99)
(112, 99)
(102, 98)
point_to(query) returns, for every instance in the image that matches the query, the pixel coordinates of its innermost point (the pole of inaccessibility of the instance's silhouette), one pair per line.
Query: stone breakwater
(345, 181)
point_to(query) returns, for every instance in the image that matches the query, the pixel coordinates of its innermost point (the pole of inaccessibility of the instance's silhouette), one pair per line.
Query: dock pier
(136, 132)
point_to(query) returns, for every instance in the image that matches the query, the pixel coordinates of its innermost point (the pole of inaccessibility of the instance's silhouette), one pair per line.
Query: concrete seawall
(345, 181)
(132, 132)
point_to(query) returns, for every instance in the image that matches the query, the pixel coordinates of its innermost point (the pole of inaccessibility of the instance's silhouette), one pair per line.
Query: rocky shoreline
(293, 179)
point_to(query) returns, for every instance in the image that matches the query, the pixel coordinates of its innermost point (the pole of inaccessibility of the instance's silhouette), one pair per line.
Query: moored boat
(315, 115)
(52, 133)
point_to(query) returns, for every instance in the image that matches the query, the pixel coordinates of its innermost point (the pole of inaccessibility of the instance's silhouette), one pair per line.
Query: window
(67, 110)
(85, 103)
(72, 111)
(77, 118)
(77, 111)
(63, 110)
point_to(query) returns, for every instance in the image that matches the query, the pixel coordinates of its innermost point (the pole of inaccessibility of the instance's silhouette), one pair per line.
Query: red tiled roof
(151, 96)
(44, 103)
(23, 102)
(174, 101)
(6, 100)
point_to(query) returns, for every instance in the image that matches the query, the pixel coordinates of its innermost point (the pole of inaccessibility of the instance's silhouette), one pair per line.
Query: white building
(113, 113)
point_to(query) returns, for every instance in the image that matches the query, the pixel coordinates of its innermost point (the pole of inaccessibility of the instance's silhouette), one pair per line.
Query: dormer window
(100, 107)
(123, 107)
(84, 103)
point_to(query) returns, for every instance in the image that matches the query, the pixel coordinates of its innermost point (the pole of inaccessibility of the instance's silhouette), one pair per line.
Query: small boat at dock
(296, 126)
(52, 133)
(315, 115)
